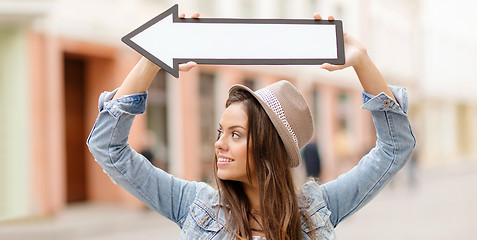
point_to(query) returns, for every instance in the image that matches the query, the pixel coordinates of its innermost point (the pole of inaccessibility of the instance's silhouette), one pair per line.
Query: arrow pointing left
(168, 41)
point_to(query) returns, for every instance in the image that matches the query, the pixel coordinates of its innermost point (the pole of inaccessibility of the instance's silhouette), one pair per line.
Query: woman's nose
(220, 143)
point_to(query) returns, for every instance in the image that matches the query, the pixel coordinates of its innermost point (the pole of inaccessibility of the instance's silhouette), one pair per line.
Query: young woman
(259, 137)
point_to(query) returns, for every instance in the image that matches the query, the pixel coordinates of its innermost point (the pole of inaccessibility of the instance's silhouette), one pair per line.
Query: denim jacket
(195, 206)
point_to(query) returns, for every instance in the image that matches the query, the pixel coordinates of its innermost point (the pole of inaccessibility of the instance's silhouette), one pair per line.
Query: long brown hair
(280, 213)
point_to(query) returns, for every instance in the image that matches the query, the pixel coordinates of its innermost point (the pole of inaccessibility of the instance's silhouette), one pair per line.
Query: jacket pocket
(320, 224)
(205, 223)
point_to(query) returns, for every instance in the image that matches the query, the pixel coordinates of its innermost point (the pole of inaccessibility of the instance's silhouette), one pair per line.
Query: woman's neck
(253, 196)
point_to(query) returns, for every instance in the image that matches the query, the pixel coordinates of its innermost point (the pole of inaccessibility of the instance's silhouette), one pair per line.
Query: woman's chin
(223, 176)
(226, 176)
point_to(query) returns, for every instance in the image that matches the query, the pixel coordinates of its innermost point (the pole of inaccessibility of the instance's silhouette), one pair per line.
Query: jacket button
(386, 102)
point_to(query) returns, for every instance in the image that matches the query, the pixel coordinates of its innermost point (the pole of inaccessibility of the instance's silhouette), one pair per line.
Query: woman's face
(231, 146)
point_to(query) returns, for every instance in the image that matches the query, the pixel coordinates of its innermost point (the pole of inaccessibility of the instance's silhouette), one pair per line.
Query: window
(313, 4)
(250, 83)
(316, 108)
(464, 129)
(207, 7)
(282, 8)
(208, 125)
(343, 111)
(343, 131)
(155, 141)
(247, 9)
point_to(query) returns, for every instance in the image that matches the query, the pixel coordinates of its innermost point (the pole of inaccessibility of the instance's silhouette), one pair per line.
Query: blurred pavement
(441, 206)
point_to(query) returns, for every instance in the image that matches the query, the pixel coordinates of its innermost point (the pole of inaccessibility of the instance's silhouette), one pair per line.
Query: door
(74, 83)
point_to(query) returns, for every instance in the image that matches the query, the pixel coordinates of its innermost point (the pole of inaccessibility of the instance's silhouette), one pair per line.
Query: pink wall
(105, 71)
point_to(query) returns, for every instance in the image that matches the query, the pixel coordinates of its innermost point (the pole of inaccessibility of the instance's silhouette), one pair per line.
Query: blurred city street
(55, 63)
(440, 206)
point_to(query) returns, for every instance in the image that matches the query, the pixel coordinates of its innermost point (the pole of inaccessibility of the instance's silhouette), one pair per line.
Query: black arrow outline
(174, 70)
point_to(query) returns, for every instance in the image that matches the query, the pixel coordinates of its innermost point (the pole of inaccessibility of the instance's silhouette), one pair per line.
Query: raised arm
(108, 142)
(395, 140)
(140, 77)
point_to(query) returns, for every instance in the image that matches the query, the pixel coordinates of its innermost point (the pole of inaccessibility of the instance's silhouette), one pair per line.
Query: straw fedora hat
(289, 113)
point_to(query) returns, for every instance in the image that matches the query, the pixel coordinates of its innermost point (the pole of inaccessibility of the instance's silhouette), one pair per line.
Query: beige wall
(106, 68)
(15, 164)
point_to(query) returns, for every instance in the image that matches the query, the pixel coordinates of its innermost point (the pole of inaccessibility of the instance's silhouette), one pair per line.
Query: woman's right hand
(141, 76)
(189, 65)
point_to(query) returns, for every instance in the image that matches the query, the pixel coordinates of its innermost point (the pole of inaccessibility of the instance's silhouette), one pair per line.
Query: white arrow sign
(168, 40)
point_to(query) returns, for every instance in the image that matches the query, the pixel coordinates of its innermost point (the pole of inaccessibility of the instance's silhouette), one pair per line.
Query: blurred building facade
(58, 56)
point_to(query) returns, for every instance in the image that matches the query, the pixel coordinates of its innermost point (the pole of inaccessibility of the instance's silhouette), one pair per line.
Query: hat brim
(286, 137)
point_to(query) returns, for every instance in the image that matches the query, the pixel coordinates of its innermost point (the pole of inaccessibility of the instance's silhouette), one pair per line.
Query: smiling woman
(259, 139)
(262, 173)
(231, 148)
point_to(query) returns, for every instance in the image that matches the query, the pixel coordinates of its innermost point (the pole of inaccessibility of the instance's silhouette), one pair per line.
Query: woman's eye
(235, 135)
(219, 132)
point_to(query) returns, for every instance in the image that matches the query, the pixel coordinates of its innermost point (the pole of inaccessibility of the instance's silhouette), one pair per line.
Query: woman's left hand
(357, 57)
(354, 51)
